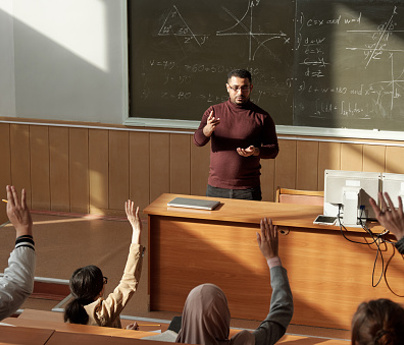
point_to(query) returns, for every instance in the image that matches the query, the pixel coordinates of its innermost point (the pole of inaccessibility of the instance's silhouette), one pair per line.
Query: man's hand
(134, 220)
(268, 240)
(18, 212)
(389, 217)
(249, 151)
(211, 124)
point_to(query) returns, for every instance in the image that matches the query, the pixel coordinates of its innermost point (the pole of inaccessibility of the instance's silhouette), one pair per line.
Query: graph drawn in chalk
(381, 36)
(244, 26)
(175, 25)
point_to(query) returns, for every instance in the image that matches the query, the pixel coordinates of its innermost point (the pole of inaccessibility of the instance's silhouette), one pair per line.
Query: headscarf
(206, 319)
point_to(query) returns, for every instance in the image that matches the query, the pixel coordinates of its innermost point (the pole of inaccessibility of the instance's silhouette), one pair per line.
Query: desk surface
(242, 211)
(24, 336)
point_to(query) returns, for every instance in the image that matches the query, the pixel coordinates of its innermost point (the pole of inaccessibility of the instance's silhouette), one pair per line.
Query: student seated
(391, 218)
(378, 322)
(18, 280)
(88, 306)
(206, 315)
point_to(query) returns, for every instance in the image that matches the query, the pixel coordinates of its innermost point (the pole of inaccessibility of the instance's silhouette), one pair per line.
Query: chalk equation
(350, 64)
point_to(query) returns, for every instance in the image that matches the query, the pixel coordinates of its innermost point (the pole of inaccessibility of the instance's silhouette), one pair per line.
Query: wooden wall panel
(59, 168)
(94, 170)
(352, 157)
(5, 167)
(180, 164)
(394, 160)
(159, 164)
(40, 167)
(79, 175)
(98, 166)
(118, 183)
(329, 157)
(374, 158)
(139, 171)
(307, 158)
(200, 160)
(286, 164)
(268, 179)
(20, 159)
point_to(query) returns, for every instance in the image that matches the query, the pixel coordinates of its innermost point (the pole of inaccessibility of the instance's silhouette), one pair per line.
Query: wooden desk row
(329, 275)
(38, 336)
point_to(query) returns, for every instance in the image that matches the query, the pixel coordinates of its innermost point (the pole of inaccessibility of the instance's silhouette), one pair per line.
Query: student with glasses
(241, 133)
(87, 284)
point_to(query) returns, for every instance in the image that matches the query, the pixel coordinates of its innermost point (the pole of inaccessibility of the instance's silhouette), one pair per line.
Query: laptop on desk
(200, 204)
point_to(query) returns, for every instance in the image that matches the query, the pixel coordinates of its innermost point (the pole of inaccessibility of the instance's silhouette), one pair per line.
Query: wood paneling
(286, 164)
(159, 164)
(5, 171)
(79, 172)
(180, 163)
(307, 158)
(40, 167)
(329, 157)
(118, 169)
(268, 179)
(199, 168)
(98, 166)
(95, 170)
(139, 173)
(394, 160)
(21, 159)
(59, 168)
(352, 157)
(374, 158)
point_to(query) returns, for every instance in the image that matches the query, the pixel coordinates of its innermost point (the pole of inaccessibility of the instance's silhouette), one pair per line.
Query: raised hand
(134, 220)
(211, 124)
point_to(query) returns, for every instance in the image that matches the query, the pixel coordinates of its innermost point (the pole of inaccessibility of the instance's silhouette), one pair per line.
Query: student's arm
(281, 307)
(18, 280)
(110, 308)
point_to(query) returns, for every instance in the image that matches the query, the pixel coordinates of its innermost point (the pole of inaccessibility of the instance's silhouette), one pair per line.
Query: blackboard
(319, 63)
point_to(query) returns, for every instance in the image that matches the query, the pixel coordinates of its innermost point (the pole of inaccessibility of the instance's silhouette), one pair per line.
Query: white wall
(64, 60)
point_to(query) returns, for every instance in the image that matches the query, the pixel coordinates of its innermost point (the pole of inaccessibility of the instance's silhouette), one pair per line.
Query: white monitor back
(336, 182)
(394, 185)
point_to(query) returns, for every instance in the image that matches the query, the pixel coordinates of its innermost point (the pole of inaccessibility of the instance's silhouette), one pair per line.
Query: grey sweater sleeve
(18, 280)
(281, 310)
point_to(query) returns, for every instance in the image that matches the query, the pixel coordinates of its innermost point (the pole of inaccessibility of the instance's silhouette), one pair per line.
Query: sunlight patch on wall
(68, 24)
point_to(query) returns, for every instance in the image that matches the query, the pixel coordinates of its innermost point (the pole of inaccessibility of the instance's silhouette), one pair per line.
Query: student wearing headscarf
(206, 315)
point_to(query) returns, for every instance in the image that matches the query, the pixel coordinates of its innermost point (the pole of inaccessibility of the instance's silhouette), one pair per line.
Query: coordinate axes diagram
(244, 26)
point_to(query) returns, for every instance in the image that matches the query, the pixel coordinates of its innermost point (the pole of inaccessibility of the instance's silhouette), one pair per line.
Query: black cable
(378, 240)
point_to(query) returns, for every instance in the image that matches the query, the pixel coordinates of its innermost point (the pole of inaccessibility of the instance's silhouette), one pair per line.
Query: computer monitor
(394, 185)
(349, 193)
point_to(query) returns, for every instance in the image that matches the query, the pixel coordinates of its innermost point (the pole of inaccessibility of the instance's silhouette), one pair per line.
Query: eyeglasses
(243, 88)
(105, 280)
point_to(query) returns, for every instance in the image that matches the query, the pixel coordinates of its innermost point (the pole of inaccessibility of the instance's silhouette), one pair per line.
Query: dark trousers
(246, 194)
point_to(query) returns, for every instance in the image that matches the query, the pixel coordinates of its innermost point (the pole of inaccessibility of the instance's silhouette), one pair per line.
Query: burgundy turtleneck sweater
(240, 126)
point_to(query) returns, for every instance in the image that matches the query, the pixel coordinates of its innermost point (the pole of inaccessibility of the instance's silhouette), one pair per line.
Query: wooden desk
(74, 328)
(23, 335)
(328, 274)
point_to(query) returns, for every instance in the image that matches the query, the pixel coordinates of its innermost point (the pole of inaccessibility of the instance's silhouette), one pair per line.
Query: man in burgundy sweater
(241, 133)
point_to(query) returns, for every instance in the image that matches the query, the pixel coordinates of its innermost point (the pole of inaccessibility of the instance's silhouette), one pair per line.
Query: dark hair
(241, 73)
(378, 322)
(85, 284)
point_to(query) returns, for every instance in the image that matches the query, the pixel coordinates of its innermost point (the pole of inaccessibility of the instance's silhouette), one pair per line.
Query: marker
(4, 200)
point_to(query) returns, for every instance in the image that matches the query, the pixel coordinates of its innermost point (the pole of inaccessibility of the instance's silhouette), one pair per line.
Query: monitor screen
(350, 191)
(394, 185)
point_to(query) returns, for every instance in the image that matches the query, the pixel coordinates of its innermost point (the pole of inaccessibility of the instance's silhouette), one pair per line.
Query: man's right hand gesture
(211, 124)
